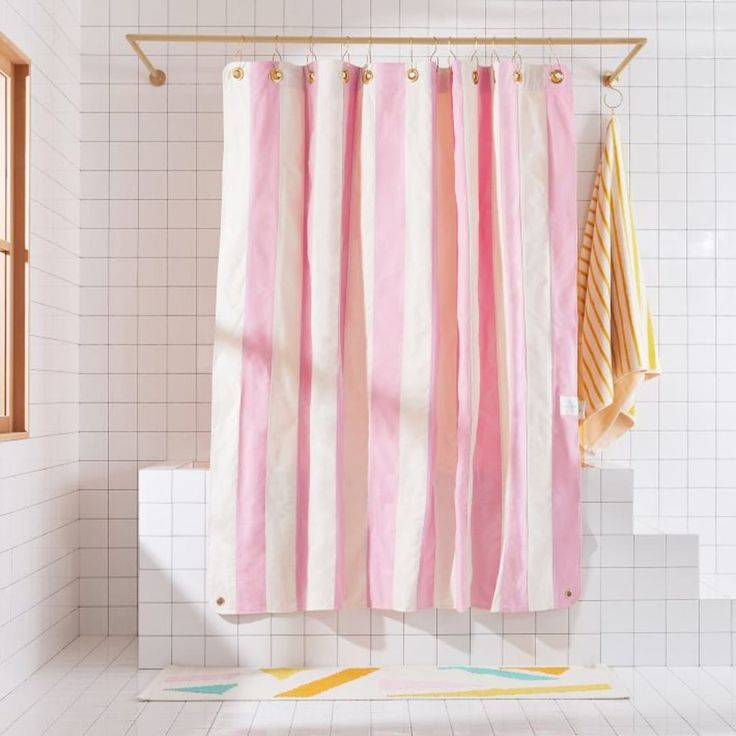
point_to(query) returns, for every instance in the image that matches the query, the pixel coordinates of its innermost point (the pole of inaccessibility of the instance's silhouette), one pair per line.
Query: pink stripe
(486, 507)
(563, 243)
(305, 365)
(464, 371)
(425, 577)
(446, 380)
(388, 305)
(257, 341)
(349, 100)
(514, 575)
(355, 392)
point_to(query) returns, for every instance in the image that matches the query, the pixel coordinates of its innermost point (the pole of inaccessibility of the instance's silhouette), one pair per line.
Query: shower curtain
(394, 378)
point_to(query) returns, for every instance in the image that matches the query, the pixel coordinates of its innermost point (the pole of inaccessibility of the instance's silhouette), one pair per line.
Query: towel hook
(613, 105)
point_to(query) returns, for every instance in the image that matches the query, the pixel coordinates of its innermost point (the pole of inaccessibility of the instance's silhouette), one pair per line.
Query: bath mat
(383, 683)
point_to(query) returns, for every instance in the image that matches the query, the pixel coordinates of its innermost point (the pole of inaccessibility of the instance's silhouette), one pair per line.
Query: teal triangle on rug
(206, 689)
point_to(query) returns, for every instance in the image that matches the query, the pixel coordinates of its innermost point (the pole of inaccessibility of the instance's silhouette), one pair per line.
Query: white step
(640, 601)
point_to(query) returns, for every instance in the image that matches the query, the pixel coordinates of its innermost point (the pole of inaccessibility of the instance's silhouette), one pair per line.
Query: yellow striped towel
(616, 345)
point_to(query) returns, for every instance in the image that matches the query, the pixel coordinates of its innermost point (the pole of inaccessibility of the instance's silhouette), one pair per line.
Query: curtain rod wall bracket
(157, 77)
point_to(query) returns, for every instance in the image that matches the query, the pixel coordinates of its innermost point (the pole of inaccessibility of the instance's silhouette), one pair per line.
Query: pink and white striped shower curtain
(394, 416)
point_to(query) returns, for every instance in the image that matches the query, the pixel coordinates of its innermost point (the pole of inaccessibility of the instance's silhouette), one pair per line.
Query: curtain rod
(157, 77)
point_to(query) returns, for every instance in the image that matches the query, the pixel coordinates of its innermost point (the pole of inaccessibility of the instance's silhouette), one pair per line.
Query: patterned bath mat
(383, 683)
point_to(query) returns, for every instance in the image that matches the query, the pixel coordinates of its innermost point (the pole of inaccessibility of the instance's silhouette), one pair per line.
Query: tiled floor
(91, 686)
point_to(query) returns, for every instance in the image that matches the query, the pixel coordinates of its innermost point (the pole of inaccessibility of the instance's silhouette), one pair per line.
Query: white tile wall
(150, 189)
(39, 561)
(639, 604)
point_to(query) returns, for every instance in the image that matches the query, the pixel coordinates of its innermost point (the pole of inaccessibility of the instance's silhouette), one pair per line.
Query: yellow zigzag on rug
(509, 691)
(308, 689)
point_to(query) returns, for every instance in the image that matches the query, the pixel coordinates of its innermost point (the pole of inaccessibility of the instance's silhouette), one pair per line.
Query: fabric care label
(570, 406)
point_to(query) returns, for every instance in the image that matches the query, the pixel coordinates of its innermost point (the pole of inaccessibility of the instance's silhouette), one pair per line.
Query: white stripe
(325, 236)
(534, 173)
(227, 359)
(416, 363)
(499, 270)
(281, 469)
(470, 132)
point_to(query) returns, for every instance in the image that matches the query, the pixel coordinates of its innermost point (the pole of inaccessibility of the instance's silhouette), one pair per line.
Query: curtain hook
(556, 74)
(451, 55)
(239, 71)
(345, 58)
(433, 55)
(494, 54)
(276, 74)
(311, 60)
(517, 61)
(474, 57)
(412, 73)
(367, 75)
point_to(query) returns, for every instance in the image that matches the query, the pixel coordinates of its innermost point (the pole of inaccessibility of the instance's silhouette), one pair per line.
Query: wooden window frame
(15, 65)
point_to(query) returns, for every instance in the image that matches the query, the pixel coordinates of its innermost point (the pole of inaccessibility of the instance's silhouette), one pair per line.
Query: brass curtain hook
(556, 74)
(474, 57)
(412, 73)
(239, 71)
(345, 58)
(451, 55)
(367, 74)
(433, 55)
(517, 61)
(276, 74)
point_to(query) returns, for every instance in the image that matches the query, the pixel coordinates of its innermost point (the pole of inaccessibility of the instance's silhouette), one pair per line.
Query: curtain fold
(395, 341)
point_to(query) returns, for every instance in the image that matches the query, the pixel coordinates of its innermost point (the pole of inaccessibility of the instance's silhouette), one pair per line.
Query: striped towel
(617, 350)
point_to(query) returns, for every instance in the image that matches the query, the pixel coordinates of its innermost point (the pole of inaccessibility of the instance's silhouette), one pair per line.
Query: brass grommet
(367, 76)
(557, 76)
(345, 75)
(568, 594)
(310, 76)
(220, 601)
(276, 74)
(238, 72)
(518, 76)
(412, 74)
(476, 76)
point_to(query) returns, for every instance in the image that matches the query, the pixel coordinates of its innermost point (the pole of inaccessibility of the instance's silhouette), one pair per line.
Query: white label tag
(569, 406)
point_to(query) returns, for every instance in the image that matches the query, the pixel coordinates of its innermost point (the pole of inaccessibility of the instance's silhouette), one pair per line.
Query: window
(13, 241)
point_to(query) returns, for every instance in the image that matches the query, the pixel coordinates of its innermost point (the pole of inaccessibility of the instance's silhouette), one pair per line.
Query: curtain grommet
(276, 74)
(518, 76)
(568, 594)
(345, 76)
(367, 76)
(557, 76)
(238, 73)
(220, 601)
(310, 76)
(412, 74)
(476, 76)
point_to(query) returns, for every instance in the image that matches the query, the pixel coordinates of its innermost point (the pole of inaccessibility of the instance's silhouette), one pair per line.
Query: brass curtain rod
(157, 77)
